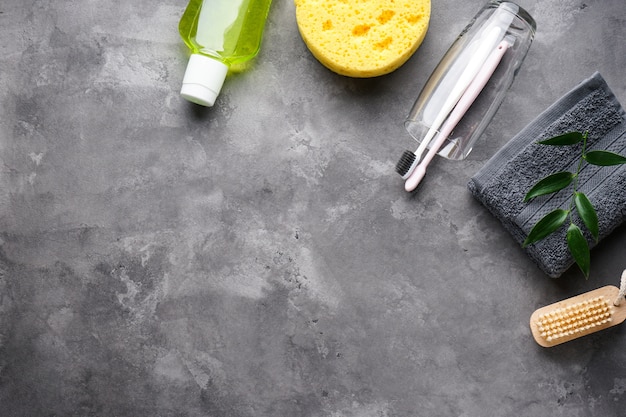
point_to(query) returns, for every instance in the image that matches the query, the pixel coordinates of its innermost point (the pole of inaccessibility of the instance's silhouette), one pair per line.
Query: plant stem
(576, 176)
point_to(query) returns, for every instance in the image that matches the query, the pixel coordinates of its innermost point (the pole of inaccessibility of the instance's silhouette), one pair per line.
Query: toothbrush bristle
(406, 164)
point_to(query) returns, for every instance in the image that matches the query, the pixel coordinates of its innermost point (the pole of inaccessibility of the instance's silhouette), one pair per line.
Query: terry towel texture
(506, 178)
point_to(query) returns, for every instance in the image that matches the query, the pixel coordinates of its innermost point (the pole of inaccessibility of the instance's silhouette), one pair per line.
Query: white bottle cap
(203, 79)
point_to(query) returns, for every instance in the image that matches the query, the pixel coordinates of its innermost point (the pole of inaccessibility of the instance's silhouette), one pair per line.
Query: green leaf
(587, 213)
(550, 184)
(604, 158)
(569, 138)
(548, 224)
(579, 248)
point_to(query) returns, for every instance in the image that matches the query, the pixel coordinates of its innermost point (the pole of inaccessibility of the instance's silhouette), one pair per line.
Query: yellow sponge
(362, 38)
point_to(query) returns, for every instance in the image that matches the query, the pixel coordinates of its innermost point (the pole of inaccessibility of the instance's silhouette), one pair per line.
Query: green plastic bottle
(219, 33)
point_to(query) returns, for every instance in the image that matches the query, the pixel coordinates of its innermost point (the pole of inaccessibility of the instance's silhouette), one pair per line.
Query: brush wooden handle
(577, 316)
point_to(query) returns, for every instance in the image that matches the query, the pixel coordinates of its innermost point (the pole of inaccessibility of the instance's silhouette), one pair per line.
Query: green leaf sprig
(551, 222)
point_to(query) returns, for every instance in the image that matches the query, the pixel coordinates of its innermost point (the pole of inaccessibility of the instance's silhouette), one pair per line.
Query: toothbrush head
(577, 316)
(407, 163)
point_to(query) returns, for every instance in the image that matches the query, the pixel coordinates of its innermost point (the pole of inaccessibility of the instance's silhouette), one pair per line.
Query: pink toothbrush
(466, 100)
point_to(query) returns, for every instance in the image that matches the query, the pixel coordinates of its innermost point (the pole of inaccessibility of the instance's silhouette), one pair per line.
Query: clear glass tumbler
(468, 85)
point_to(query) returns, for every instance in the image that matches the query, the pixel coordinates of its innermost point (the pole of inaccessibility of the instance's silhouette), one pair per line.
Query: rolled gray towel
(506, 178)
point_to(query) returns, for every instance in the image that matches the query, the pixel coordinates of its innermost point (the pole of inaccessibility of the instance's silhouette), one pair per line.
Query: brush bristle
(406, 164)
(575, 319)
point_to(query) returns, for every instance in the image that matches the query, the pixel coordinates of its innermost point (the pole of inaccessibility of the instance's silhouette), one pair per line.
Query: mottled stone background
(260, 258)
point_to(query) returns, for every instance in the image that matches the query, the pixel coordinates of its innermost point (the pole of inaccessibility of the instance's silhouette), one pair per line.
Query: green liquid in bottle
(219, 33)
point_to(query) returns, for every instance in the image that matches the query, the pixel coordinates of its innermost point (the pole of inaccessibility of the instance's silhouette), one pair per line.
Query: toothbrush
(486, 41)
(578, 316)
(466, 100)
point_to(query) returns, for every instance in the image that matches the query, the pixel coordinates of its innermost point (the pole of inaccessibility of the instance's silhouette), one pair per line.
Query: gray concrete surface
(260, 258)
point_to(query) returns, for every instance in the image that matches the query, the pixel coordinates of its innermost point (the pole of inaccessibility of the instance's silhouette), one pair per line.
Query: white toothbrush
(465, 101)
